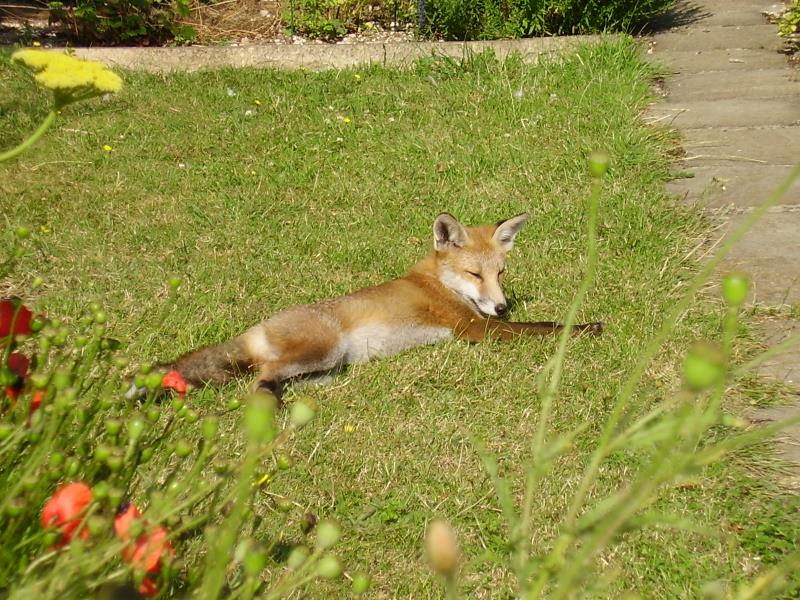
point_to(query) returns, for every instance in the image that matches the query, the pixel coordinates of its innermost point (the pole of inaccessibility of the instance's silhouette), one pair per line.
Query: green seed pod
(100, 491)
(183, 448)
(153, 381)
(191, 416)
(297, 557)
(50, 537)
(81, 341)
(146, 455)
(100, 317)
(328, 533)
(113, 426)
(6, 429)
(37, 324)
(361, 583)
(233, 404)
(22, 232)
(7, 377)
(84, 322)
(177, 404)
(301, 414)
(99, 330)
(101, 453)
(120, 362)
(284, 462)
(329, 567)
(734, 289)
(254, 562)
(259, 418)
(284, 505)
(598, 164)
(152, 414)
(56, 459)
(37, 282)
(210, 426)
(140, 380)
(62, 379)
(39, 380)
(703, 367)
(95, 307)
(66, 398)
(97, 525)
(60, 338)
(114, 463)
(174, 283)
(115, 496)
(16, 507)
(136, 427)
(72, 468)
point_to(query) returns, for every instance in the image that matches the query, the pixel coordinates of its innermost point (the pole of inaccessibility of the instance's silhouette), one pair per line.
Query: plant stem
(51, 117)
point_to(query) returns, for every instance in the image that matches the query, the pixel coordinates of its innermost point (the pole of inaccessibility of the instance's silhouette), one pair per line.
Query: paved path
(737, 101)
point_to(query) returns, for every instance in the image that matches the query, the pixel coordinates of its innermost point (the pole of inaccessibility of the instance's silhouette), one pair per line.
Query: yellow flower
(349, 428)
(36, 44)
(346, 120)
(107, 148)
(357, 77)
(69, 78)
(44, 229)
(257, 102)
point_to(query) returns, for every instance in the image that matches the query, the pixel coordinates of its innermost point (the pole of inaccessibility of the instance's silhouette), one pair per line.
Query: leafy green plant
(790, 20)
(125, 21)
(315, 19)
(488, 19)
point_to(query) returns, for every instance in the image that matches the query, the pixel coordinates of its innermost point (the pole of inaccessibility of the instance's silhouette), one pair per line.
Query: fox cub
(454, 292)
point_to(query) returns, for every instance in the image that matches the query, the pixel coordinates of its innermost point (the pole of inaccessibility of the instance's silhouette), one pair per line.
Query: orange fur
(454, 292)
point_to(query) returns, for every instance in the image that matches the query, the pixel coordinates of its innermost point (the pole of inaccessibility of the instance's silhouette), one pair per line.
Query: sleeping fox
(454, 292)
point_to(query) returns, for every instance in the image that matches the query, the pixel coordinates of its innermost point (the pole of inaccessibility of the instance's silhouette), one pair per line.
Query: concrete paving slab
(787, 442)
(744, 14)
(318, 56)
(727, 112)
(713, 85)
(740, 186)
(739, 146)
(770, 255)
(736, 60)
(754, 37)
(785, 367)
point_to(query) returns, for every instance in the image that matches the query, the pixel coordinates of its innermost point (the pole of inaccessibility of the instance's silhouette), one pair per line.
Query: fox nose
(500, 309)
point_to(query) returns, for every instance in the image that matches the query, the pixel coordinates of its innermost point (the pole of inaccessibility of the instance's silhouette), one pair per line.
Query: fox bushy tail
(214, 364)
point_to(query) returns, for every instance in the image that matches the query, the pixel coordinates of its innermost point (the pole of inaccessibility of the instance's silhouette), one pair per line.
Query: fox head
(472, 260)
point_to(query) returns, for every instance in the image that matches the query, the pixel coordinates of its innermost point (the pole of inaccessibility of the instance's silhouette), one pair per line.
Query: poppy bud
(329, 567)
(297, 557)
(328, 533)
(361, 583)
(442, 548)
(301, 414)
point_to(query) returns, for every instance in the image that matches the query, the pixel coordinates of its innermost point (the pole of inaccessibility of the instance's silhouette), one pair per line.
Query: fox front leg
(479, 329)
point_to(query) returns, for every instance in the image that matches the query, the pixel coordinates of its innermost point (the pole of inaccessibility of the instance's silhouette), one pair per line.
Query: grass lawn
(264, 189)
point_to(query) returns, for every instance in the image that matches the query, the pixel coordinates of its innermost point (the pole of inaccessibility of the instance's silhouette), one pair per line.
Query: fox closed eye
(475, 275)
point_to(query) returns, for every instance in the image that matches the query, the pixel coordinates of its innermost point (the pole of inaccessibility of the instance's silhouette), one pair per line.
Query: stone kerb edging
(318, 56)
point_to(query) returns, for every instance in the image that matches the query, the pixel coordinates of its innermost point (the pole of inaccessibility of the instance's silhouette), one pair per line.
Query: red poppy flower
(36, 401)
(148, 550)
(175, 381)
(19, 364)
(15, 318)
(64, 510)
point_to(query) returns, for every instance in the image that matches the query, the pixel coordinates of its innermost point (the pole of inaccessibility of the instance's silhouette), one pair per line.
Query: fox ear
(447, 232)
(507, 230)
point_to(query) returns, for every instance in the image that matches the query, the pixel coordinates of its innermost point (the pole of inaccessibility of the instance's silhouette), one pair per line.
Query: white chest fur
(375, 341)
